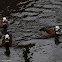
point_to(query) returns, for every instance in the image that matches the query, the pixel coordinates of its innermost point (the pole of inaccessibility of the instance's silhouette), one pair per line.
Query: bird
(9, 37)
(47, 32)
(57, 34)
(7, 52)
(51, 33)
(6, 42)
(4, 23)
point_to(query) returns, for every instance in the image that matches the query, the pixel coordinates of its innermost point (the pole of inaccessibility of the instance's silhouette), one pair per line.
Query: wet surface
(26, 17)
(26, 52)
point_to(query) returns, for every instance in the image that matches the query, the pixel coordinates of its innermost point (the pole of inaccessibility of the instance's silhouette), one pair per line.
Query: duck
(9, 36)
(7, 52)
(47, 32)
(6, 41)
(57, 34)
(4, 23)
(51, 33)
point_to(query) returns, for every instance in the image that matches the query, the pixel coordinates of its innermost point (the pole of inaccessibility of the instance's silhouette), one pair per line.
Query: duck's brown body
(3, 42)
(1, 24)
(47, 32)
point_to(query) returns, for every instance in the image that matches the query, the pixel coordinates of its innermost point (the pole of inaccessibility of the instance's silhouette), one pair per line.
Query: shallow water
(26, 17)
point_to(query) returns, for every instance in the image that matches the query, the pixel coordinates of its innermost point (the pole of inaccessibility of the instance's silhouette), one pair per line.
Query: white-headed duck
(47, 32)
(6, 38)
(4, 23)
(7, 42)
(57, 34)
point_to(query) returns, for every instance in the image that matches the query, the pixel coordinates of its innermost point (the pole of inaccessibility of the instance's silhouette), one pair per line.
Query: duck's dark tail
(7, 49)
(57, 42)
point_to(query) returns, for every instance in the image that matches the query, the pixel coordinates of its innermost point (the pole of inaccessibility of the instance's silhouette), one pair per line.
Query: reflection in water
(26, 51)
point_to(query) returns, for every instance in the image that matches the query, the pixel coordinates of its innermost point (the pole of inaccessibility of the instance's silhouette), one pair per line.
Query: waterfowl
(9, 38)
(47, 32)
(7, 42)
(57, 34)
(4, 23)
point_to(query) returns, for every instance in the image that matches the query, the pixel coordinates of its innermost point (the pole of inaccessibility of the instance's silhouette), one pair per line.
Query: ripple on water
(26, 17)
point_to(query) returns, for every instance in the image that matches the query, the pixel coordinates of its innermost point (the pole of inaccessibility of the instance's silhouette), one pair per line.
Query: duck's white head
(4, 19)
(57, 28)
(7, 36)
